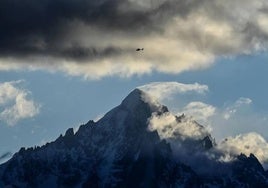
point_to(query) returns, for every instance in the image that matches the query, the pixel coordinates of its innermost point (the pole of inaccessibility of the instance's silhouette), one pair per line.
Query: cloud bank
(235, 122)
(169, 126)
(15, 104)
(98, 38)
(188, 140)
(228, 119)
(247, 144)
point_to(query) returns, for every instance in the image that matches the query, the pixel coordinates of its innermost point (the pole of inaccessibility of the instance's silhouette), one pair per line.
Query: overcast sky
(64, 62)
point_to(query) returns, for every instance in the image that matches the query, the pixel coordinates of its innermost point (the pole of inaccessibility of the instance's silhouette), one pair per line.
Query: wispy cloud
(164, 90)
(232, 109)
(15, 104)
(98, 38)
(200, 111)
(5, 155)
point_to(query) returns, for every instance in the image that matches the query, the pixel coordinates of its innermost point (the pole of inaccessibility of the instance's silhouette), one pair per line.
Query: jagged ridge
(119, 151)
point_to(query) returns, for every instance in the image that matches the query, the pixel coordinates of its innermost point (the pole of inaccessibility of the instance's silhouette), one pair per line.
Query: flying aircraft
(139, 49)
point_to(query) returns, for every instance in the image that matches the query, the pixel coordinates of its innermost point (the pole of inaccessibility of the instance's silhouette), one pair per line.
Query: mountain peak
(138, 98)
(134, 97)
(120, 151)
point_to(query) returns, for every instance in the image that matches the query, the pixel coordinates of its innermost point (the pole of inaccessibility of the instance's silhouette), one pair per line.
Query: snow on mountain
(137, 144)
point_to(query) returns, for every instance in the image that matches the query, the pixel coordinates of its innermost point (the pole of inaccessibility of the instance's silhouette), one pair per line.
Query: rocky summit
(120, 150)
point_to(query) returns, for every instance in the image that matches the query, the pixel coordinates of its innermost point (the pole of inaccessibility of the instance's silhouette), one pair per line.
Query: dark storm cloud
(103, 34)
(77, 53)
(34, 27)
(25, 23)
(27, 17)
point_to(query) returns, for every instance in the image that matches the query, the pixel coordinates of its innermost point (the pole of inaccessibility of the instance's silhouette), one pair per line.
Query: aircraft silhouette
(139, 49)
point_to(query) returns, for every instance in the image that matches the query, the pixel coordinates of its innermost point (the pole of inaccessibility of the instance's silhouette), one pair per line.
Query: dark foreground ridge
(120, 151)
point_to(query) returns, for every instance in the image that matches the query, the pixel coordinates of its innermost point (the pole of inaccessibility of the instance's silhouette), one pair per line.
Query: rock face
(120, 151)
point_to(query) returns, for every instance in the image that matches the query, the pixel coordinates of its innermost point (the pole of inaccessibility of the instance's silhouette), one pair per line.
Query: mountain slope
(121, 151)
